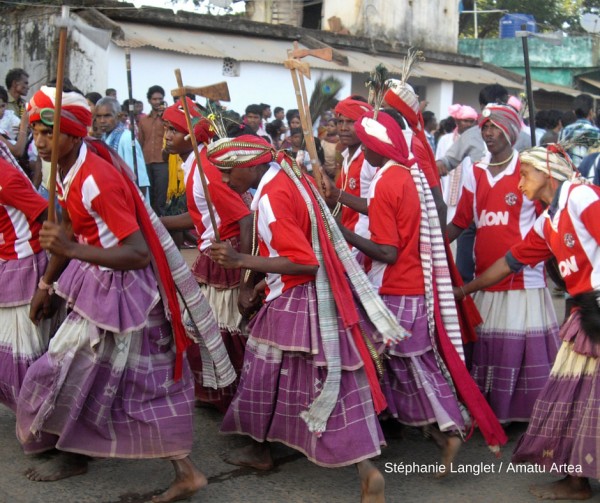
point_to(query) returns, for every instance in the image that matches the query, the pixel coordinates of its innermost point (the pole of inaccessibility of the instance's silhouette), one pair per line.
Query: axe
(181, 92)
(214, 92)
(296, 67)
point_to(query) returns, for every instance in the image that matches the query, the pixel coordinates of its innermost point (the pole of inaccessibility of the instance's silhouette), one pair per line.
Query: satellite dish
(590, 22)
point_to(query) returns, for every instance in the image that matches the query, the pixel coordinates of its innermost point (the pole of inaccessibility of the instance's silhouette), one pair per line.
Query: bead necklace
(508, 159)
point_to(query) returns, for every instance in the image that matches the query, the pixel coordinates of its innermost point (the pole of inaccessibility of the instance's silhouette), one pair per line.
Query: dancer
(564, 424)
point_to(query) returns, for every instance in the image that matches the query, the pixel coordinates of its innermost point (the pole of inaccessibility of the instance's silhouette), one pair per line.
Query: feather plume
(323, 97)
(378, 83)
(411, 61)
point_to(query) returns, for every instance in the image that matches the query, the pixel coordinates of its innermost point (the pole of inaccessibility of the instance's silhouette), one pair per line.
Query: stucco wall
(426, 25)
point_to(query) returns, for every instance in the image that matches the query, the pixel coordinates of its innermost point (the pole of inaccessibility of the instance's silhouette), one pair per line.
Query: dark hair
(292, 112)
(397, 116)
(264, 106)
(277, 110)
(568, 117)
(3, 95)
(582, 105)
(358, 97)
(274, 127)
(428, 116)
(14, 75)
(254, 109)
(295, 131)
(93, 97)
(155, 89)
(541, 119)
(553, 117)
(68, 86)
(110, 91)
(494, 93)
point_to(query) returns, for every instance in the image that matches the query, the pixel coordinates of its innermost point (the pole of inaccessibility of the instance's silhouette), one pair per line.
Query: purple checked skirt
(103, 392)
(416, 391)
(21, 342)
(284, 369)
(565, 422)
(516, 346)
(220, 286)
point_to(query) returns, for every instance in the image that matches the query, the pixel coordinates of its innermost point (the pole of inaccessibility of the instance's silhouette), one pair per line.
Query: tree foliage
(550, 15)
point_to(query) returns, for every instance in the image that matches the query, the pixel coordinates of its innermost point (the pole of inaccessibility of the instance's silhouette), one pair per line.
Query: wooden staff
(299, 70)
(188, 120)
(60, 73)
(131, 116)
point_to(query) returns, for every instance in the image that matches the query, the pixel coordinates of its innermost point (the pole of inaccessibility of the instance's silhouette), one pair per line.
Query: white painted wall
(257, 82)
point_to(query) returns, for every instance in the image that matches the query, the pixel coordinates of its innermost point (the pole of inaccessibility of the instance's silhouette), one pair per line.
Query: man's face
(156, 102)
(138, 108)
(280, 115)
(267, 113)
(105, 120)
(240, 179)
(346, 132)
(175, 140)
(42, 138)
(20, 87)
(463, 124)
(2, 108)
(493, 137)
(296, 140)
(253, 121)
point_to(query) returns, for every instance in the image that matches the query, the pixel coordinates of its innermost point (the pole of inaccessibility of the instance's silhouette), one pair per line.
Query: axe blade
(214, 92)
(326, 53)
(302, 66)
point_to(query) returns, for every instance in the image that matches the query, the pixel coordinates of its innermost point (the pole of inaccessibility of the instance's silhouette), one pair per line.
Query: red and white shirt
(502, 218)
(20, 207)
(355, 178)
(98, 201)
(394, 218)
(228, 206)
(284, 228)
(572, 236)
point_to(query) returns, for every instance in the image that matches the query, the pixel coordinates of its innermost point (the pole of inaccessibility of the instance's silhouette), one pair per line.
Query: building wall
(424, 25)
(549, 63)
(257, 82)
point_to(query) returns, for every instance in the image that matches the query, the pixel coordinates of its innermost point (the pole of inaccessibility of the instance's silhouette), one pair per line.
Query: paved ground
(294, 479)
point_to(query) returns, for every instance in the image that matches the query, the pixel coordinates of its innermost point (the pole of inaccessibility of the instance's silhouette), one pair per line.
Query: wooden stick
(60, 73)
(130, 113)
(188, 120)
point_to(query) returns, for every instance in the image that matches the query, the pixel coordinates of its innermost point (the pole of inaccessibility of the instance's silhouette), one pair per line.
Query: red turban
(353, 109)
(175, 114)
(402, 97)
(383, 136)
(242, 152)
(75, 116)
(504, 117)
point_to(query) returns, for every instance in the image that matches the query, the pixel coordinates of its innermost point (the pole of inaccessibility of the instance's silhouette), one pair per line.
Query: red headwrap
(353, 109)
(402, 97)
(175, 114)
(75, 117)
(383, 136)
(242, 152)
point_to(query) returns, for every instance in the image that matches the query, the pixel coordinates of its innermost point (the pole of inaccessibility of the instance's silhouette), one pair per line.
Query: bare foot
(450, 446)
(257, 456)
(372, 483)
(65, 464)
(569, 488)
(188, 481)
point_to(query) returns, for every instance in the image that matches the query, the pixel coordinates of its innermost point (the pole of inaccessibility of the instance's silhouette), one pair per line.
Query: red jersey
(20, 207)
(355, 177)
(283, 227)
(228, 206)
(502, 216)
(572, 236)
(98, 200)
(394, 219)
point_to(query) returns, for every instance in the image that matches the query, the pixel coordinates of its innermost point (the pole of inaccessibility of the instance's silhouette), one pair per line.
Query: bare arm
(382, 253)
(453, 231)
(492, 275)
(224, 254)
(181, 222)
